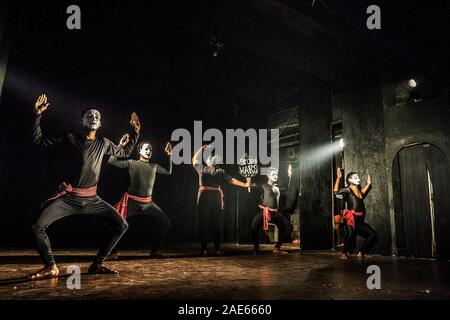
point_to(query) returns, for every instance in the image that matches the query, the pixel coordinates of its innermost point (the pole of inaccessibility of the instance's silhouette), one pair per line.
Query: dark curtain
(415, 202)
(413, 216)
(438, 167)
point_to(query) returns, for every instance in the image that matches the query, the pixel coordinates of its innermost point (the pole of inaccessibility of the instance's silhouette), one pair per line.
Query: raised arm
(123, 163)
(338, 180)
(367, 187)
(341, 194)
(124, 150)
(162, 170)
(39, 138)
(197, 158)
(288, 182)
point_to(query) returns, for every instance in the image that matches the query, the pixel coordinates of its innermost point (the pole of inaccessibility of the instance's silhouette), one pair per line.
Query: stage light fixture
(412, 83)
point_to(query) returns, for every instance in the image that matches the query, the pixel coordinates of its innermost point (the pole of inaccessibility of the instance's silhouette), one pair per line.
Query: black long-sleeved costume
(353, 202)
(142, 180)
(270, 197)
(142, 175)
(83, 168)
(209, 203)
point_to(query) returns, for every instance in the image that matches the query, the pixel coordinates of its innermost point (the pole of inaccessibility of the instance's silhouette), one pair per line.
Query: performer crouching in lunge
(354, 214)
(77, 194)
(138, 198)
(210, 199)
(268, 212)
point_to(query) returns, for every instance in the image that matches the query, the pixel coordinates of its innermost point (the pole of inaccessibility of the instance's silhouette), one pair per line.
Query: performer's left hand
(125, 139)
(289, 171)
(168, 149)
(249, 184)
(134, 122)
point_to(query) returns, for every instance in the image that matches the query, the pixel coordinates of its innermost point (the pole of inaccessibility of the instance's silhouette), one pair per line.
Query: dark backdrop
(150, 57)
(155, 58)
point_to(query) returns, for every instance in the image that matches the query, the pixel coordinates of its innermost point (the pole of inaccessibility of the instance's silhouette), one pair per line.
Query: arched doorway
(421, 180)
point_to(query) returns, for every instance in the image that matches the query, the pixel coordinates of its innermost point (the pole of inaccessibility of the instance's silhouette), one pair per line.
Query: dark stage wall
(363, 127)
(315, 169)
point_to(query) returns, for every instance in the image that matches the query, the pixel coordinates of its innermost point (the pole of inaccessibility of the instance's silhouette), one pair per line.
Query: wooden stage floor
(236, 275)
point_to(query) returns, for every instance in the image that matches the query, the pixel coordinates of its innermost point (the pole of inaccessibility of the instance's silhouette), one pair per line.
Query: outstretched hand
(135, 123)
(339, 173)
(124, 140)
(168, 149)
(369, 180)
(250, 184)
(41, 104)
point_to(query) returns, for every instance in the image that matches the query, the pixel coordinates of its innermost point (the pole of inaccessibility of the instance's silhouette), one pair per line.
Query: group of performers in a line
(77, 194)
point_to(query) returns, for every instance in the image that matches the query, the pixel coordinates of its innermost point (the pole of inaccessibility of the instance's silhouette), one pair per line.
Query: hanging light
(412, 83)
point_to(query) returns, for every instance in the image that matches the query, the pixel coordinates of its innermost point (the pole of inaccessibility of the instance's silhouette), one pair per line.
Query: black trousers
(284, 228)
(364, 230)
(210, 218)
(159, 222)
(69, 205)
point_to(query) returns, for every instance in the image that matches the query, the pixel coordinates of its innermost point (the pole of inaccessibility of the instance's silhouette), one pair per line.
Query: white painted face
(146, 151)
(273, 175)
(355, 179)
(91, 119)
(213, 160)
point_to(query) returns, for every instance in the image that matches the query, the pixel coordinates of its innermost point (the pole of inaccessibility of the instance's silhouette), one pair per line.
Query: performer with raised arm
(210, 200)
(77, 193)
(138, 198)
(354, 213)
(268, 212)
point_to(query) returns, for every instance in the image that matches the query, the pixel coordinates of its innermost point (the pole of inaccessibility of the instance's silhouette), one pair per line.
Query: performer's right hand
(41, 104)
(124, 140)
(338, 173)
(135, 123)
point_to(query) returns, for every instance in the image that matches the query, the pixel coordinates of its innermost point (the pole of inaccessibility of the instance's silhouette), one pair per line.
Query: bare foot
(279, 251)
(100, 268)
(343, 256)
(47, 272)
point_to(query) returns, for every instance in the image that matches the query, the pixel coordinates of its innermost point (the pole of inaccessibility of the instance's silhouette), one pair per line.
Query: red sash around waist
(267, 215)
(349, 217)
(65, 188)
(208, 188)
(122, 205)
